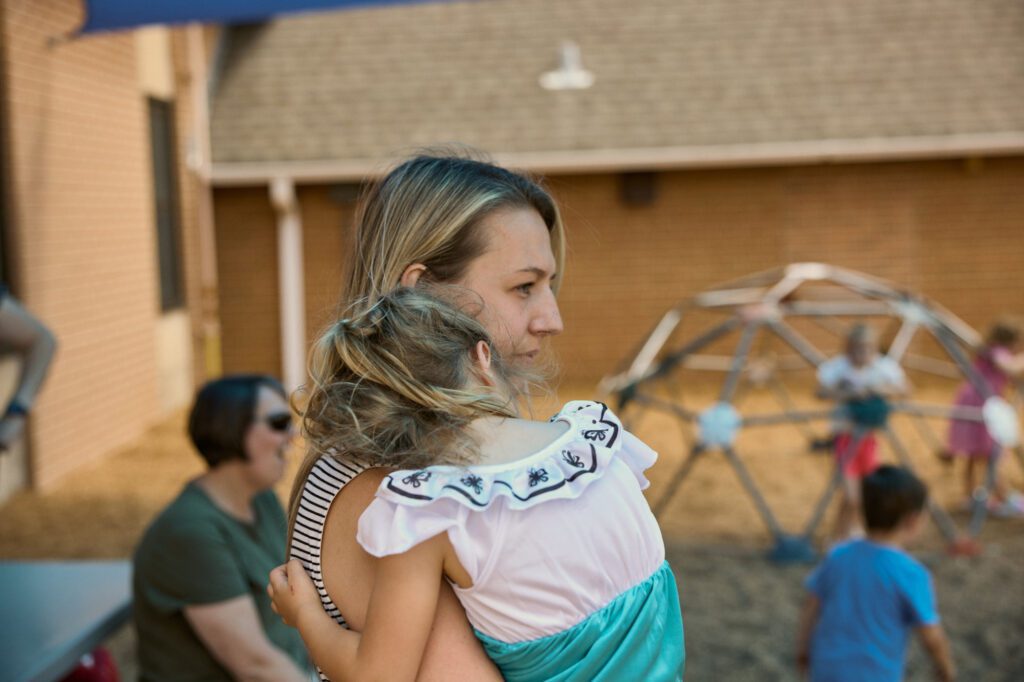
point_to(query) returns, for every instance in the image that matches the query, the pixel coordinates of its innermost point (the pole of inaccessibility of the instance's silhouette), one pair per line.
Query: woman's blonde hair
(428, 210)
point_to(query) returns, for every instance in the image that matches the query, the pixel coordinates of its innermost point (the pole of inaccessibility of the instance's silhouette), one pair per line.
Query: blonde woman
(541, 527)
(434, 219)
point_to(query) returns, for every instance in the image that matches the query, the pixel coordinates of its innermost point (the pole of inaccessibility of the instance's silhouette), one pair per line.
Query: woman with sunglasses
(199, 572)
(438, 218)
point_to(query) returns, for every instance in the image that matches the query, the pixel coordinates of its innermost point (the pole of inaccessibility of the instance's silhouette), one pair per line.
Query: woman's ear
(482, 359)
(411, 275)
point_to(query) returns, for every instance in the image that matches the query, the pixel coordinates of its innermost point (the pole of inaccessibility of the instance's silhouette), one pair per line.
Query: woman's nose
(548, 320)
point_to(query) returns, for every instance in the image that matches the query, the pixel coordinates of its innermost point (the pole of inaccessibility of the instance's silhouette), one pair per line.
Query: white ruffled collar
(561, 470)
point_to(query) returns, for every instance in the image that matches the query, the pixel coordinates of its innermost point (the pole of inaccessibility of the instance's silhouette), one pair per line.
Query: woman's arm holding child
(398, 621)
(935, 643)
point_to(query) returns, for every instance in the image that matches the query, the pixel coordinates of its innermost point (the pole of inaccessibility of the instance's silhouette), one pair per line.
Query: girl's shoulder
(563, 469)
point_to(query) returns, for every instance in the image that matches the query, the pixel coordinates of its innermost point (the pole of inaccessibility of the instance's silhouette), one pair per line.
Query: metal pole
(844, 457)
(666, 365)
(805, 348)
(752, 490)
(939, 515)
(677, 479)
(738, 361)
(782, 395)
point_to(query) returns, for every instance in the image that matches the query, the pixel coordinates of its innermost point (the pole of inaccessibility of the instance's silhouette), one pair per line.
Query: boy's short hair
(890, 494)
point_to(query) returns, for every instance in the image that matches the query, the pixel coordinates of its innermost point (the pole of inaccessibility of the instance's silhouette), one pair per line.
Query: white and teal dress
(568, 564)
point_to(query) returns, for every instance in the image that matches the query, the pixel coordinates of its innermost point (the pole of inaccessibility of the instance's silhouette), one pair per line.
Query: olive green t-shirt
(194, 553)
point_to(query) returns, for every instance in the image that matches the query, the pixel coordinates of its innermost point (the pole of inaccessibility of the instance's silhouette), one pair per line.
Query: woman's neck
(503, 440)
(229, 491)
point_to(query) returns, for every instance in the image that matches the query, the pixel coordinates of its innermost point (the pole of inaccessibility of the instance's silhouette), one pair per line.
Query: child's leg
(851, 491)
(969, 464)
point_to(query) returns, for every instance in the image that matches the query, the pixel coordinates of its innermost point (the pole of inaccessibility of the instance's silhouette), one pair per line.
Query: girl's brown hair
(396, 385)
(1006, 331)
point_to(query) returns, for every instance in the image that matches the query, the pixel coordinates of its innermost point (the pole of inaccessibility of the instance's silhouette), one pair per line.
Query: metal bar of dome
(738, 362)
(753, 491)
(923, 363)
(729, 297)
(677, 479)
(902, 341)
(939, 515)
(658, 403)
(833, 308)
(830, 324)
(834, 481)
(963, 413)
(805, 348)
(943, 335)
(674, 358)
(783, 397)
(785, 417)
(926, 432)
(979, 502)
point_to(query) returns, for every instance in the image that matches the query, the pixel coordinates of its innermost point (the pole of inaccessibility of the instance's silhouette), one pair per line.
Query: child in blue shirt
(868, 595)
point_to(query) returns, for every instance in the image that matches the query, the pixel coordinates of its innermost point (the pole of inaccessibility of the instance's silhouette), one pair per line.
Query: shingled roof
(358, 87)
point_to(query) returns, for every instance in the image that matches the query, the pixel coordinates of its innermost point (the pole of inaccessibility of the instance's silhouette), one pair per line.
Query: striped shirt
(328, 476)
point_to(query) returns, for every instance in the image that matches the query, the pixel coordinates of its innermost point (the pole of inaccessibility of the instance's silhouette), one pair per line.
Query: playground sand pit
(740, 610)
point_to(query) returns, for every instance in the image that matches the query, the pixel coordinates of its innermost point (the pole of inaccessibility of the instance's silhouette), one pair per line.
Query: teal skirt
(637, 636)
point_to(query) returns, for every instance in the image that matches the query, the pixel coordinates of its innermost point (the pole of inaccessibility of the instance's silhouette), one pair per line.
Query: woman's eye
(524, 289)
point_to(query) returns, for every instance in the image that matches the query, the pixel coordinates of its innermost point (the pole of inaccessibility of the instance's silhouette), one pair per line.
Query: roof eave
(235, 174)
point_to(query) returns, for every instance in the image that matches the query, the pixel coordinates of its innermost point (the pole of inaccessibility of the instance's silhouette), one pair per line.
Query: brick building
(716, 139)
(101, 228)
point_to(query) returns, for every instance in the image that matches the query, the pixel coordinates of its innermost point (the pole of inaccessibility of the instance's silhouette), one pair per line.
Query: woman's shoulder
(563, 469)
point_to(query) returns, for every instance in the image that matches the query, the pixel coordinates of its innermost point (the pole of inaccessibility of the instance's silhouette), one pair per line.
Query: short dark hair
(223, 411)
(890, 494)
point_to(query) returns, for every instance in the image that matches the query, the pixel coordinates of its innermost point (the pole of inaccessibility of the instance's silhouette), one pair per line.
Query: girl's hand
(292, 592)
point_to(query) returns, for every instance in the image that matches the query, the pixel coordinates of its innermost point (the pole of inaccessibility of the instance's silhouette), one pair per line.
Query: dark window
(165, 191)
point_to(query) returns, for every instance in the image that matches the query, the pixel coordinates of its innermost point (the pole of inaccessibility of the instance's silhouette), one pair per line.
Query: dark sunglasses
(280, 421)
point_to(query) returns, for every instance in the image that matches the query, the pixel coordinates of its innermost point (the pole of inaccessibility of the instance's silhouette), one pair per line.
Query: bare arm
(232, 633)
(453, 651)
(398, 621)
(808, 619)
(36, 345)
(935, 643)
(1009, 364)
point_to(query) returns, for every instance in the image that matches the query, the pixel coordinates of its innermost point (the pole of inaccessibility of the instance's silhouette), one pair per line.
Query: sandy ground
(740, 610)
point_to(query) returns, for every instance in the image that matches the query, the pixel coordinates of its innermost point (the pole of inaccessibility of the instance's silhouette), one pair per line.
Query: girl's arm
(453, 652)
(401, 611)
(1008, 363)
(808, 619)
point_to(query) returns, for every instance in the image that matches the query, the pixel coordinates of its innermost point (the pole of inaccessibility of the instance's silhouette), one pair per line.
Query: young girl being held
(540, 527)
(999, 361)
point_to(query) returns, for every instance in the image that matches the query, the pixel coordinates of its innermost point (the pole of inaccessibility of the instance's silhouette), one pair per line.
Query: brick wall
(81, 226)
(247, 271)
(82, 238)
(949, 229)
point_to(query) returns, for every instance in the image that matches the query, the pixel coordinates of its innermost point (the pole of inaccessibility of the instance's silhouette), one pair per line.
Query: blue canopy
(106, 15)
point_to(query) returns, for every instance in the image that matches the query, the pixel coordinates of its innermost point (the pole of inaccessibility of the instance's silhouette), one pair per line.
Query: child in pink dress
(997, 362)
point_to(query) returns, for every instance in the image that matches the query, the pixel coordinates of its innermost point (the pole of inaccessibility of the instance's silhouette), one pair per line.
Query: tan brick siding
(948, 229)
(81, 219)
(247, 281)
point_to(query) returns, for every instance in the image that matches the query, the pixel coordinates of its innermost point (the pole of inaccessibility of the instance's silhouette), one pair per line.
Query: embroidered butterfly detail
(417, 478)
(473, 481)
(571, 459)
(538, 476)
(595, 434)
